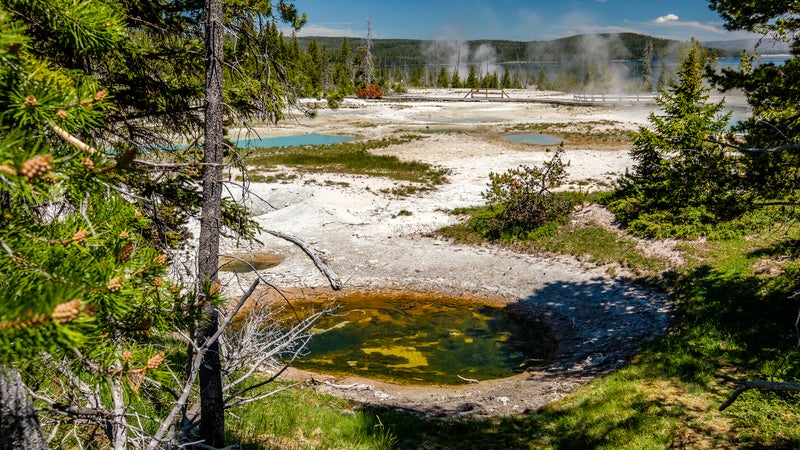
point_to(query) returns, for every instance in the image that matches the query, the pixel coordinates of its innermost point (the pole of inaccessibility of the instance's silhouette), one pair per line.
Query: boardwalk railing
(601, 98)
(486, 92)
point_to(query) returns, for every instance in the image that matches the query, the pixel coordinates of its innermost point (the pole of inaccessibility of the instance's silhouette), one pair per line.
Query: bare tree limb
(762, 385)
(197, 361)
(295, 335)
(333, 279)
(245, 401)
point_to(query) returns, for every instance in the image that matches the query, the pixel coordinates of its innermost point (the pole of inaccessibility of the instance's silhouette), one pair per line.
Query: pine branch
(779, 148)
(72, 140)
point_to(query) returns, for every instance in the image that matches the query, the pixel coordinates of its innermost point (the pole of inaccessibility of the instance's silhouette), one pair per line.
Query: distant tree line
(332, 67)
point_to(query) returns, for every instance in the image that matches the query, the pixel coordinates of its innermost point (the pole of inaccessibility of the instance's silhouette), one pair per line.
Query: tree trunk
(19, 425)
(212, 416)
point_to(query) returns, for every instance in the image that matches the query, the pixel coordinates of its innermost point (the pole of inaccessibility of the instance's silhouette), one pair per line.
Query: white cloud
(667, 18)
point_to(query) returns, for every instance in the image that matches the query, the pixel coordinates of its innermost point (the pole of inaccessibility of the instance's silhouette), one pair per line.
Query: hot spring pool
(245, 263)
(292, 140)
(411, 340)
(539, 139)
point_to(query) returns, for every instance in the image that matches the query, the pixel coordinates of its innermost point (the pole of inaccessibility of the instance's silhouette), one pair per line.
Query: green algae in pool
(437, 340)
(538, 139)
(292, 140)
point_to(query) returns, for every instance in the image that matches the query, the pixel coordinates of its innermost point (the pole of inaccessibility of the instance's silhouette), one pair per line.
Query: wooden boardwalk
(574, 99)
(613, 98)
(486, 92)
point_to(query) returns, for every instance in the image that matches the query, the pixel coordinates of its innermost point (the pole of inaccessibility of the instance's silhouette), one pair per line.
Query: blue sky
(523, 20)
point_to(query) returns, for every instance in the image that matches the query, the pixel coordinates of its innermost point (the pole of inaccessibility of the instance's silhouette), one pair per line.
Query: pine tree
(455, 81)
(682, 181)
(506, 82)
(443, 80)
(472, 78)
(647, 66)
(82, 288)
(542, 83)
(83, 227)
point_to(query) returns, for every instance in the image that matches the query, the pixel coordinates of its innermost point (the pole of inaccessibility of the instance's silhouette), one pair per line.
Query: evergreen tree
(647, 66)
(416, 76)
(665, 76)
(773, 130)
(443, 80)
(681, 181)
(542, 83)
(489, 81)
(506, 82)
(315, 68)
(83, 230)
(773, 93)
(82, 288)
(455, 81)
(472, 78)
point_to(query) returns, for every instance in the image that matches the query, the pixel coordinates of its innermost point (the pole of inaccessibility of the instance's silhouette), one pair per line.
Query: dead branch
(248, 192)
(354, 386)
(256, 398)
(156, 165)
(779, 148)
(194, 371)
(269, 347)
(762, 385)
(468, 380)
(336, 284)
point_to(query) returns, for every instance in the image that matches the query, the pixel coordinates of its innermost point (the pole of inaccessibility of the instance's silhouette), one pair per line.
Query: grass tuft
(351, 158)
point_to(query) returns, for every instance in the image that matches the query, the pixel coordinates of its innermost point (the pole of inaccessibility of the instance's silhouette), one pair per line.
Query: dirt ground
(376, 241)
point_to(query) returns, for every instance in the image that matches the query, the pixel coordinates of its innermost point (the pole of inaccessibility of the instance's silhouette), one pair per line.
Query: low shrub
(522, 199)
(370, 91)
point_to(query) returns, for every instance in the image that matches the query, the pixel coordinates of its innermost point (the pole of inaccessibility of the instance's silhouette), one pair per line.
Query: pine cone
(66, 312)
(115, 284)
(125, 254)
(36, 166)
(155, 361)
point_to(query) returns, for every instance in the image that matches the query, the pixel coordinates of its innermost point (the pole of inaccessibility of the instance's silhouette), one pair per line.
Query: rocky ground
(373, 240)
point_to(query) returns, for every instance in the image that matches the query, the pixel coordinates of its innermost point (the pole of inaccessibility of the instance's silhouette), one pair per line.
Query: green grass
(303, 419)
(601, 132)
(350, 158)
(598, 245)
(591, 243)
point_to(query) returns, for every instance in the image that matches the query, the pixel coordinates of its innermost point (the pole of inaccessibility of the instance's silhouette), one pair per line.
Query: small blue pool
(540, 139)
(292, 140)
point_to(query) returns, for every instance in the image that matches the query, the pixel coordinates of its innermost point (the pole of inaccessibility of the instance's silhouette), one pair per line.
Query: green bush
(522, 199)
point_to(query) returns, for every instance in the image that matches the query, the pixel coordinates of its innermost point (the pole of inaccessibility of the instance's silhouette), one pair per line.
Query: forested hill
(619, 46)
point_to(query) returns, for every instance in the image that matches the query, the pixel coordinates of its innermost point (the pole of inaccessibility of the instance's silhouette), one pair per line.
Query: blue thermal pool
(539, 139)
(293, 140)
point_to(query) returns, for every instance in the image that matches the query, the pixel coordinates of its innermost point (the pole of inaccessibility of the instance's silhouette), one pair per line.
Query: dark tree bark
(19, 425)
(212, 416)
